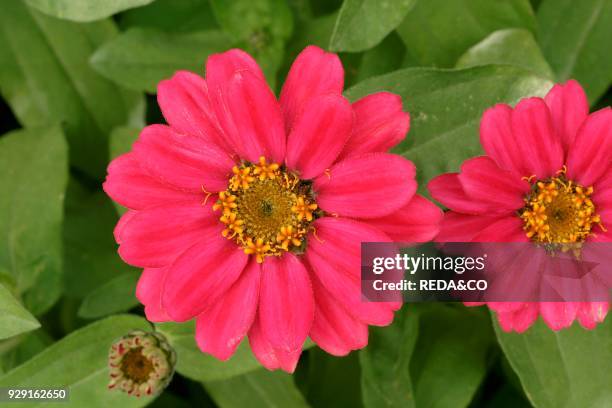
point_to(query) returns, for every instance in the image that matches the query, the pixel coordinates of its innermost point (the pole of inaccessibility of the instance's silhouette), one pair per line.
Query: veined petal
(220, 68)
(183, 161)
(314, 72)
(155, 237)
(221, 328)
(367, 186)
(457, 227)
(380, 124)
(448, 190)
(507, 229)
(286, 304)
(201, 276)
(148, 292)
(267, 355)
(569, 108)
(591, 154)
(319, 135)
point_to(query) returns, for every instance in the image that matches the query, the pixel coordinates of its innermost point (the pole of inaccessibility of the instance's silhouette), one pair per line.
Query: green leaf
(569, 368)
(433, 355)
(194, 364)
(362, 24)
(438, 32)
(331, 380)
(116, 295)
(90, 251)
(260, 27)
(46, 79)
(33, 174)
(260, 388)
(385, 57)
(445, 108)
(14, 318)
(171, 15)
(80, 362)
(513, 46)
(29, 346)
(84, 10)
(575, 38)
(385, 378)
(140, 58)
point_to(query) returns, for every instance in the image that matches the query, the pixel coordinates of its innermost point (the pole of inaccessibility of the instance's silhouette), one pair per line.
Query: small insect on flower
(141, 363)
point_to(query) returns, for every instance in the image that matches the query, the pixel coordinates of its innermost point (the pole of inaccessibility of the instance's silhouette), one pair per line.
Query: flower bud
(141, 363)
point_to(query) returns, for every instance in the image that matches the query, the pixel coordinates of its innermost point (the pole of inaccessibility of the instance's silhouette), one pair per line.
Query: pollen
(266, 209)
(559, 211)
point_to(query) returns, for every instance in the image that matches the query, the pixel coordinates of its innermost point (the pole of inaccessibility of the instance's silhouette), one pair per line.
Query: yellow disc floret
(266, 209)
(559, 211)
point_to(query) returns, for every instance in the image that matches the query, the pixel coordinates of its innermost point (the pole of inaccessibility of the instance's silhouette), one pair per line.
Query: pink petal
(519, 320)
(319, 135)
(334, 329)
(251, 118)
(380, 124)
(201, 276)
(558, 315)
(448, 190)
(498, 140)
(220, 329)
(155, 237)
(314, 72)
(286, 303)
(185, 103)
(569, 107)
(591, 313)
(483, 181)
(183, 161)
(220, 69)
(129, 185)
(267, 355)
(541, 150)
(368, 186)
(507, 229)
(123, 221)
(334, 255)
(417, 221)
(591, 154)
(458, 227)
(148, 292)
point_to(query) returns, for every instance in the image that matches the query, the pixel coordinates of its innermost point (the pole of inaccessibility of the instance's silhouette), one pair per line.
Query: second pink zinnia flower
(247, 213)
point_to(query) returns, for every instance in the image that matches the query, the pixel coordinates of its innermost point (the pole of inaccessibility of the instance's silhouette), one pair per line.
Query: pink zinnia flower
(247, 212)
(546, 178)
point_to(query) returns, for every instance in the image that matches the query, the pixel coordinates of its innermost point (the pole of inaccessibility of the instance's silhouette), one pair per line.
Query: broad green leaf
(14, 318)
(140, 58)
(80, 362)
(194, 364)
(116, 295)
(33, 176)
(31, 344)
(84, 10)
(171, 15)
(362, 24)
(437, 32)
(385, 57)
(575, 38)
(90, 251)
(513, 46)
(258, 389)
(433, 355)
(569, 368)
(445, 108)
(46, 79)
(385, 363)
(451, 355)
(331, 380)
(260, 27)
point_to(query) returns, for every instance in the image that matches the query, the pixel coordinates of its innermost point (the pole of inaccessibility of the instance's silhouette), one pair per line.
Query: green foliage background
(77, 80)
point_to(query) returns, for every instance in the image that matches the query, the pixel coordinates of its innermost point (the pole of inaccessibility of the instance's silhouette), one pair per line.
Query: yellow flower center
(266, 209)
(559, 211)
(136, 367)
